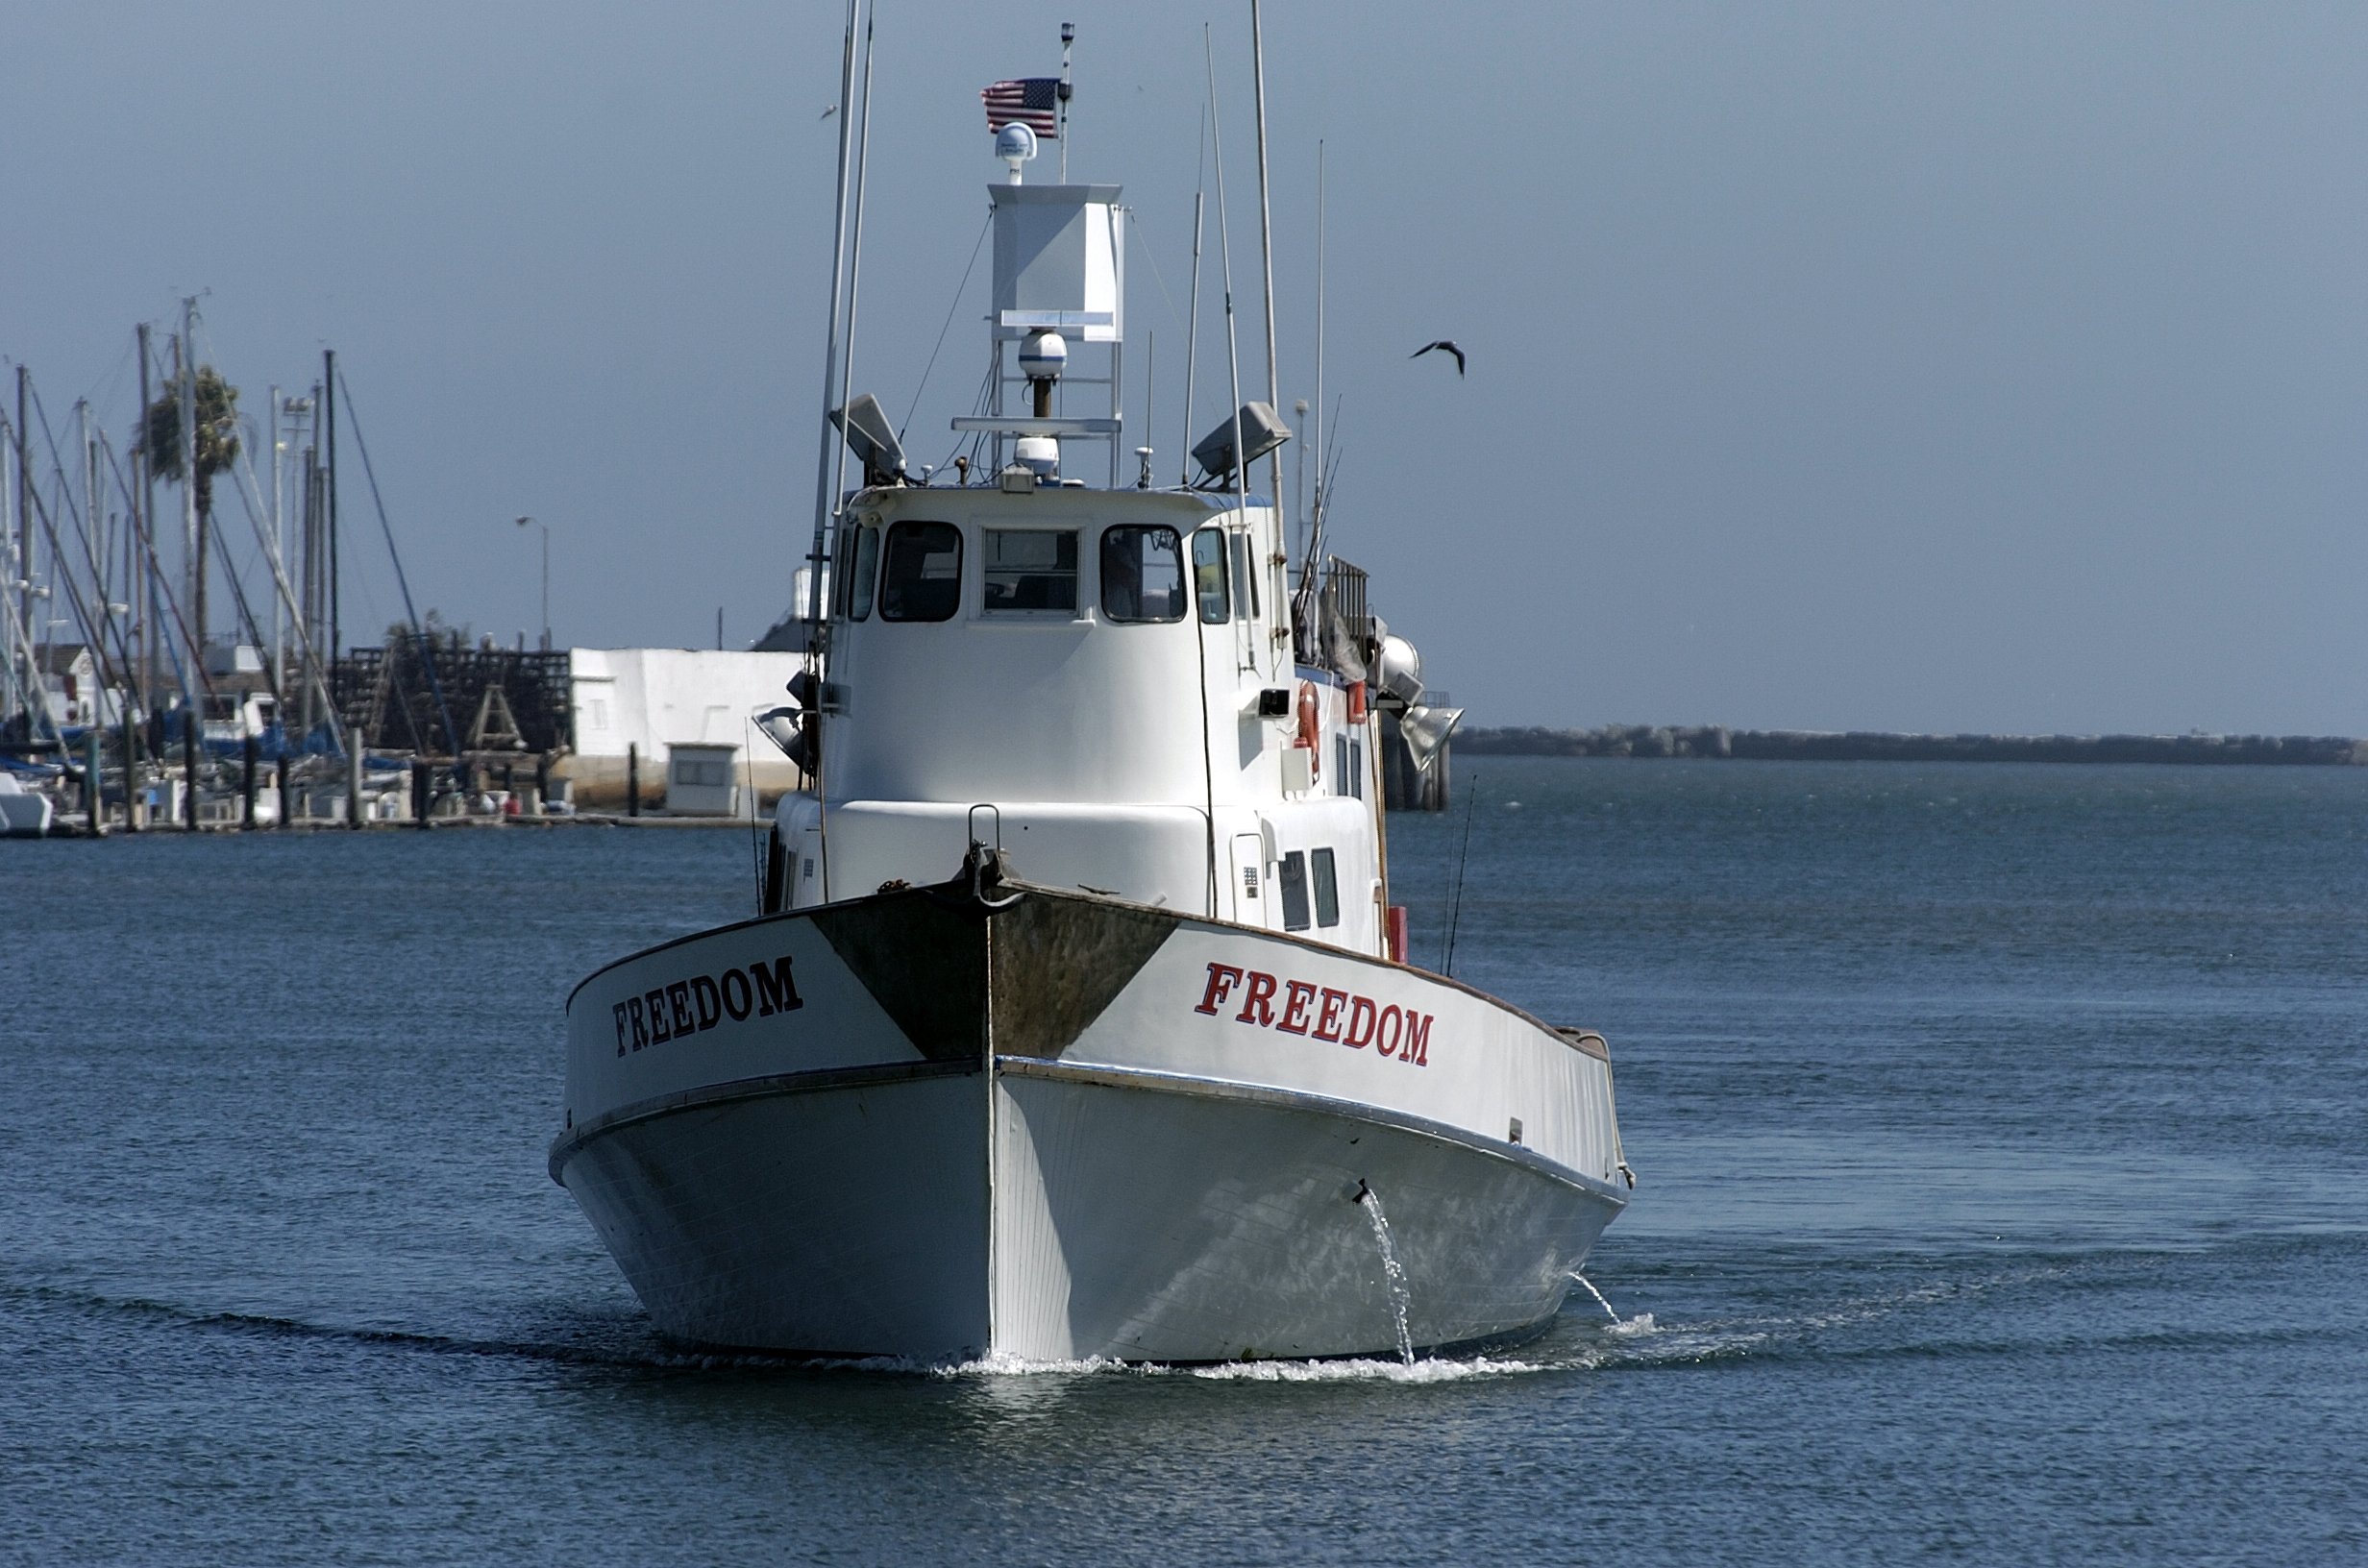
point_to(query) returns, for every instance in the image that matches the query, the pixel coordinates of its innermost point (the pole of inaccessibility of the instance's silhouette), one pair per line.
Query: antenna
(1307, 564)
(1150, 388)
(1191, 331)
(1225, 253)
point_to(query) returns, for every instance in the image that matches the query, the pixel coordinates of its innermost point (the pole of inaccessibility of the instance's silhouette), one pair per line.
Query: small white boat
(24, 814)
(1079, 1023)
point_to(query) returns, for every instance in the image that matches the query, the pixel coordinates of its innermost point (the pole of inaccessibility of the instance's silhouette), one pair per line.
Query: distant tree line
(1717, 741)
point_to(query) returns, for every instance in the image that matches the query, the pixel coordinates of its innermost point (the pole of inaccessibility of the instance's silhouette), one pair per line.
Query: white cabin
(1102, 683)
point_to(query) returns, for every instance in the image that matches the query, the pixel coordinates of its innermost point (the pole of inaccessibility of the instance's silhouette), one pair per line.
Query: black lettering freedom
(693, 1006)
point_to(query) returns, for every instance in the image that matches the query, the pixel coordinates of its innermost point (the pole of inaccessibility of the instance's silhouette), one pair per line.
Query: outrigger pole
(1266, 247)
(823, 502)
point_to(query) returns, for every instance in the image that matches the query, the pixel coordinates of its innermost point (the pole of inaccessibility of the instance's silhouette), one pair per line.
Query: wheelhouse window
(1327, 889)
(1142, 574)
(1209, 574)
(924, 577)
(1030, 569)
(1294, 892)
(1245, 579)
(839, 574)
(865, 573)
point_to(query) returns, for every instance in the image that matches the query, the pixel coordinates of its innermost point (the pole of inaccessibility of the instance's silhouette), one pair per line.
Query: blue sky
(1951, 367)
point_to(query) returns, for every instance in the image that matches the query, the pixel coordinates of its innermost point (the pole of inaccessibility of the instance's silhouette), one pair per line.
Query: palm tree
(159, 440)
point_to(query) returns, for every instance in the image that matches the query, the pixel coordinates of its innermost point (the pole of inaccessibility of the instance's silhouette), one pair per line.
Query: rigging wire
(353, 418)
(1463, 859)
(954, 305)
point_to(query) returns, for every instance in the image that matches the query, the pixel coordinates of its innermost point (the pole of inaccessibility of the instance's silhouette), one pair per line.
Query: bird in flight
(1441, 343)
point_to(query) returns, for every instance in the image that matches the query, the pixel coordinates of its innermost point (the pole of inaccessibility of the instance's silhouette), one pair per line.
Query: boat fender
(1308, 731)
(1356, 701)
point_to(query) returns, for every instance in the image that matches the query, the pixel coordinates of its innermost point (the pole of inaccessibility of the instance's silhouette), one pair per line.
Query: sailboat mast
(192, 541)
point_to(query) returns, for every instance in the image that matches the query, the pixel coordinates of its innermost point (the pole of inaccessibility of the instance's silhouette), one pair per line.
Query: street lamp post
(546, 527)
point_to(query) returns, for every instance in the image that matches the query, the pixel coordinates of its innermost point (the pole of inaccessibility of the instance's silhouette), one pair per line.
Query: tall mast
(24, 540)
(145, 494)
(279, 518)
(823, 501)
(326, 423)
(192, 542)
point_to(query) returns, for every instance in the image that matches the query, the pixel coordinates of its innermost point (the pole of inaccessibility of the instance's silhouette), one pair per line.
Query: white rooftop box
(1060, 261)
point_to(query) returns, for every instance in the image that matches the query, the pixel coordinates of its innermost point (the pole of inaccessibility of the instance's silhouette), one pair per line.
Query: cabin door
(1250, 896)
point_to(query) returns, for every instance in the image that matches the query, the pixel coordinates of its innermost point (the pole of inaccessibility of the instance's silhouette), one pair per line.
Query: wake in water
(1580, 1343)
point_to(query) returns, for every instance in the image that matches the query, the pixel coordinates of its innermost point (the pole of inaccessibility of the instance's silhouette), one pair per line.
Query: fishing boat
(1077, 1020)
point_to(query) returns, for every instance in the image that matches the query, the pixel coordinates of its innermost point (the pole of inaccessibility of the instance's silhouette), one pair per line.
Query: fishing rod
(1463, 860)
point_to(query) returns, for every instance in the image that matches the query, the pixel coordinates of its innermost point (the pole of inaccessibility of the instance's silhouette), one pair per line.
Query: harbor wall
(646, 699)
(1717, 741)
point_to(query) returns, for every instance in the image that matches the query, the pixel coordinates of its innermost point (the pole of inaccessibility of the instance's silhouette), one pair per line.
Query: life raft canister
(1309, 730)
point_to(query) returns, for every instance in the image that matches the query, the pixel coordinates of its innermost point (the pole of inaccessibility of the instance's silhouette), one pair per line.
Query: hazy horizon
(1844, 367)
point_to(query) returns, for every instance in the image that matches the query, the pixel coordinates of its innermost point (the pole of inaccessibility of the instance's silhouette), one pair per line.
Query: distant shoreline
(1717, 741)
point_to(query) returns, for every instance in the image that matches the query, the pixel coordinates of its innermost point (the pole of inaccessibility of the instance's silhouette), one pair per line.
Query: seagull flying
(1441, 343)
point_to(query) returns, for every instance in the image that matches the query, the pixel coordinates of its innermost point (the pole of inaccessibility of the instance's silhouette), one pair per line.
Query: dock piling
(94, 797)
(131, 769)
(189, 765)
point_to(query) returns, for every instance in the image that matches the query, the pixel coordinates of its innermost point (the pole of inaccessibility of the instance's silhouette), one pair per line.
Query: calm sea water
(2003, 1198)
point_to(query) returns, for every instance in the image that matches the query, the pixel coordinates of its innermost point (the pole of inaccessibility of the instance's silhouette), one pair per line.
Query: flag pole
(1068, 35)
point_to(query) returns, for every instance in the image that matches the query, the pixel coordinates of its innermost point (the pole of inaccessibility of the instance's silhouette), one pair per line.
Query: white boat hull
(1041, 1134)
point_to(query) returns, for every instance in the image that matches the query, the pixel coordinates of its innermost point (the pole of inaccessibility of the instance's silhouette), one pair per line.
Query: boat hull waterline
(965, 1122)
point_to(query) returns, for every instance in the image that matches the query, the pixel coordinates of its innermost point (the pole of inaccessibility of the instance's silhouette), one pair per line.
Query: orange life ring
(1309, 729)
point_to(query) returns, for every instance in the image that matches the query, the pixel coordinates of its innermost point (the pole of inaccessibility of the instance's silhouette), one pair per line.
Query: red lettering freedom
(1321, 1013)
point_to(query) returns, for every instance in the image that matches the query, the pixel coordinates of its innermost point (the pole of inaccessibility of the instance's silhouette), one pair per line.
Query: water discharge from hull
(1588, 1286)
(1393, 1273)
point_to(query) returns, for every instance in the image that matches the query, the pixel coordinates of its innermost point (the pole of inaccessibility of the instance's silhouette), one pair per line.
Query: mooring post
(422, 791)
(246, 786)
(353, 779)
(189, 765)
(131, 768)
(94, 798)
(288, 818)
(632, 780)
(542, 784)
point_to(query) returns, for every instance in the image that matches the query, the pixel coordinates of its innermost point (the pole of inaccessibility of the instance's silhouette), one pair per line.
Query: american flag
(1030, 101)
